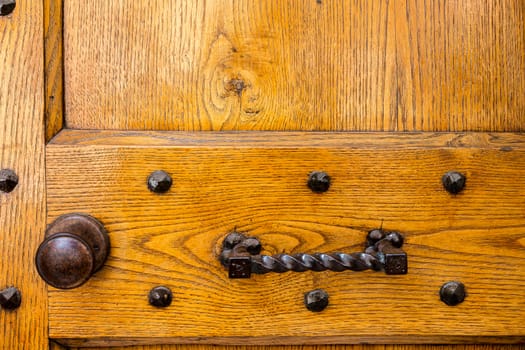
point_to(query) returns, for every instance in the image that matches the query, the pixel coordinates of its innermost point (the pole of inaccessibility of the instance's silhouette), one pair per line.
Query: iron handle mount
(241, 256)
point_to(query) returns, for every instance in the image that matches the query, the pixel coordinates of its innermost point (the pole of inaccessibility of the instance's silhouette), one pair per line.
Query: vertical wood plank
(22, 212)
(54, 67)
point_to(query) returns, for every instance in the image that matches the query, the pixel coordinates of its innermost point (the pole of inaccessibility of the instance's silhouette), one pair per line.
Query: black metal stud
(453, 182)
(316, 300)
(8, 180)
(7, 7)
(159, 181)
(319, 181)
(10, 298)
(452, 293)
(160, 296)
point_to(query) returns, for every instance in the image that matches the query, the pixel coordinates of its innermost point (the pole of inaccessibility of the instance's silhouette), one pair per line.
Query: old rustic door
(239, 102)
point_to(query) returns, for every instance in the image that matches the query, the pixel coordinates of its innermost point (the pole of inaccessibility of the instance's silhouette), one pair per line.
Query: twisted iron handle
(316, 262)
(240, 254)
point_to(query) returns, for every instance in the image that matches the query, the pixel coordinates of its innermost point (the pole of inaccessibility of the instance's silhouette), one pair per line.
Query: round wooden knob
(76, 247)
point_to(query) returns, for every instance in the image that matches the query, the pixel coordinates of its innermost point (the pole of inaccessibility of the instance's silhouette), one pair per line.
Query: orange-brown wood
(255, 182)
(22, 212)
(326, 347)
(280, 140)
(418, 65)
(54, 70)
(56, 346)
(267, 65)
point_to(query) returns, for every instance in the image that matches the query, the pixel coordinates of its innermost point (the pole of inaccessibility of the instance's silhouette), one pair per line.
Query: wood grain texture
(56, 346)
(22, 212)
(406, 141)
(54, 67)
(417, 65)
(324, 347)
(477, 237)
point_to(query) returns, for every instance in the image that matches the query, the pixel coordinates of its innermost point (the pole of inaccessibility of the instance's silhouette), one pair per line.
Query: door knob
(76, 246)
(240, 255)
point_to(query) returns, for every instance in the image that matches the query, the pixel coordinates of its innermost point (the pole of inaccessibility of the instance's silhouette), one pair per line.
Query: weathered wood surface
(227, 181)
(22, 212)
(417, 65)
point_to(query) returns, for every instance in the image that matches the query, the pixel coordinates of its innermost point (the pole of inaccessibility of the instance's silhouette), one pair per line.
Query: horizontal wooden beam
(272, 139)
(290, 341)
(255, 182)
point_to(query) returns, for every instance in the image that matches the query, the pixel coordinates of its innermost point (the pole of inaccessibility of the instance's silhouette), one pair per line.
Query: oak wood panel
(54, 67)
(224, 181)
(22, 212)
(406, 141)
(325, 347)
(417, 65)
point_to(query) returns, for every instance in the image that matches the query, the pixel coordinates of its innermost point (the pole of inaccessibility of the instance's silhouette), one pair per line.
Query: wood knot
(236, 86)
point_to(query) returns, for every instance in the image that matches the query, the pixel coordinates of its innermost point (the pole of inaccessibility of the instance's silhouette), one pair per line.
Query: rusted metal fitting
(77, 246)
(382, 253)
(236, 253)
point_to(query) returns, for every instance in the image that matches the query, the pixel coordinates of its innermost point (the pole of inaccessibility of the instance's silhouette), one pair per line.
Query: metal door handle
(240, 255)
(76, 246)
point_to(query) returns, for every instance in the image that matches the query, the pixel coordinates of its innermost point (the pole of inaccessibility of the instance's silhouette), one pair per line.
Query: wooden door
(239, 101)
